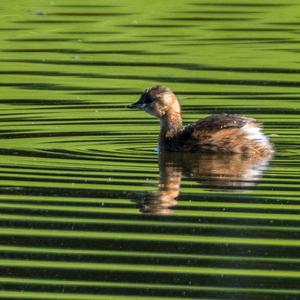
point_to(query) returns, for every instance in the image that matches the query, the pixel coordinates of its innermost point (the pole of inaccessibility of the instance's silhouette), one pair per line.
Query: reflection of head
(158, 202)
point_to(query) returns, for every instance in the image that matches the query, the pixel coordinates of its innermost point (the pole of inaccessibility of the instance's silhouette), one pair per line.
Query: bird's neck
(170, 125)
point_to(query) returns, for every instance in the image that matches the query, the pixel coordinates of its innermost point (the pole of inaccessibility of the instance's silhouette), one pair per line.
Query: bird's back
(222, 133)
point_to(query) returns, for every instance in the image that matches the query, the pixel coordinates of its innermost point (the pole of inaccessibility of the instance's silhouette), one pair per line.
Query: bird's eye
(147, 99)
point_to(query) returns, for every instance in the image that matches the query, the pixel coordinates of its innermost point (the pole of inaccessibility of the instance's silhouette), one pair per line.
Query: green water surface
(82, 213)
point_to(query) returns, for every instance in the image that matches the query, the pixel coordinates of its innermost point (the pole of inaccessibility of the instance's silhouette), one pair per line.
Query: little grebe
(224, 133)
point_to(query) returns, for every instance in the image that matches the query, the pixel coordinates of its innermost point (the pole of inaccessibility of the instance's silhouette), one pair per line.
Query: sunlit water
(89, 209)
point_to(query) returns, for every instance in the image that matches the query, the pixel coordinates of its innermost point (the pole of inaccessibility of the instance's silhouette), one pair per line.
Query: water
(87, 210)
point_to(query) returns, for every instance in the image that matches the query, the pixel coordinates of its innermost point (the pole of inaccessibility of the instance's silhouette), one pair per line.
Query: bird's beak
(140, 104)
(134, 105)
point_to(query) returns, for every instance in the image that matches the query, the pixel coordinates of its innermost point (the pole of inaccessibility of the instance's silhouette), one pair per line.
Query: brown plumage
(223, 133)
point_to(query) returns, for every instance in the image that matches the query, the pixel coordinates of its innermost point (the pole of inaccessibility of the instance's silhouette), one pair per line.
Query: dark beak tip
(133, 105)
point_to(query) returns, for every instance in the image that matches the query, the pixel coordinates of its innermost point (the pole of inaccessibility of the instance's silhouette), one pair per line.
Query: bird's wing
(224, 121)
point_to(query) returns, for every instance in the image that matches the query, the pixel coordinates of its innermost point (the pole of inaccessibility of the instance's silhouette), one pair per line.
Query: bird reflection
(215, 171)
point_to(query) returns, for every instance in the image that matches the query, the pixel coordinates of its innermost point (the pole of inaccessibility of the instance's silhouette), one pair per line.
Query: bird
(220, 133)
